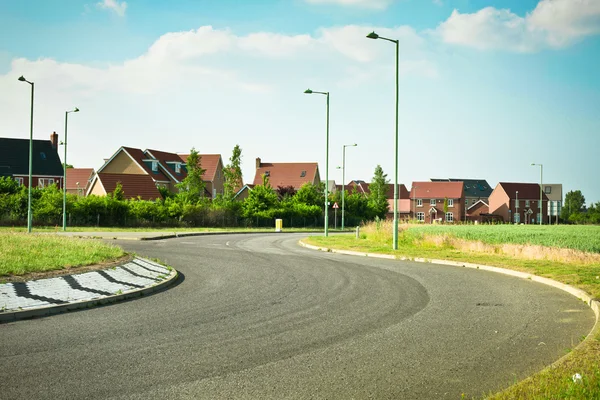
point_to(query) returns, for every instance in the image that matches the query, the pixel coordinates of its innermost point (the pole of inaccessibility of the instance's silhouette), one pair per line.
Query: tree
(445, 205)
(191, 188)
(312, 195)
(574, 203)
(119, 193)
(378, 202)
(261, 201)
(233, 174)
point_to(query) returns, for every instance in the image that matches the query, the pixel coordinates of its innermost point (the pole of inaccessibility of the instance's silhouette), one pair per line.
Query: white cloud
(438, 2)
(373, 4)
(552, 24)
(114, 5)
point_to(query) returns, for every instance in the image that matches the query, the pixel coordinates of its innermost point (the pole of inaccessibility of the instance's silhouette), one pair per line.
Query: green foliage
(191, 188)
(262, 201)
(8, 185)
(445, 205)
(574, 203)
(377, 201)
(313, 195)
(118, 193)
(233, 174)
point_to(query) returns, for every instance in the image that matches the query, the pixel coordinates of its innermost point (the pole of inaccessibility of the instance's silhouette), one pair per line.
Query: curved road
(257, 316)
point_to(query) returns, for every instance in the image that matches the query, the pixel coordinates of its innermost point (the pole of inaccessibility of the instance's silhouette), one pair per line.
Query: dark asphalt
(256, 316)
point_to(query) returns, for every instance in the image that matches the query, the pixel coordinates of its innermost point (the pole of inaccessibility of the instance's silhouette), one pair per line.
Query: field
(26, 253)
(577, 237)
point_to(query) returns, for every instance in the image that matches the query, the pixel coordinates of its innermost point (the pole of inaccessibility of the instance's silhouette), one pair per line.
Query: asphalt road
(256, 316)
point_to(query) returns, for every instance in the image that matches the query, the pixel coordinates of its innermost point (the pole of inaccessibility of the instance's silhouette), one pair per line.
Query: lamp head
(373, 35)
(22, 78)
(532, 164)
(76, 109)
(308, 91)
(354, 145)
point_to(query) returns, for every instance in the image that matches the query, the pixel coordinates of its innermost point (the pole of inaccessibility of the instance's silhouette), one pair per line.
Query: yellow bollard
(278, 225)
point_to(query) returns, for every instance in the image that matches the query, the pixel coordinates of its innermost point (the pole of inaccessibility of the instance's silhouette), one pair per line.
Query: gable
(121, 163)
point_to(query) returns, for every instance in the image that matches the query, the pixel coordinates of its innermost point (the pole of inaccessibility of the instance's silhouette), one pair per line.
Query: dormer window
(42, 155)
(178, 168)
(302, 174)
(154, 166)
(267, 173)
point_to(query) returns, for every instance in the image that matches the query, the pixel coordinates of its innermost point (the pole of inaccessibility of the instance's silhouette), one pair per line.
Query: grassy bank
(25, 253)
(46, 229)
(568, 254)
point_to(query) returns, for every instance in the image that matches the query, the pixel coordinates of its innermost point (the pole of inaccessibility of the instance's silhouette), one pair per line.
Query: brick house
(287, 174)
(474, 190)
(518, 202)
(47, 168)
(427, 201)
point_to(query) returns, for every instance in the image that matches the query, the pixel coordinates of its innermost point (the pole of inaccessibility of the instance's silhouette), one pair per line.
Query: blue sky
(486, 87)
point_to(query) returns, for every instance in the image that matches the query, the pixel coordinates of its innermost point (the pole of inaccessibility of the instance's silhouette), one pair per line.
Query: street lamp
(344, 177)
(22, 79)
(65, 171)
(517, 205)
(541, 176)
(308, 91)
(373, 35)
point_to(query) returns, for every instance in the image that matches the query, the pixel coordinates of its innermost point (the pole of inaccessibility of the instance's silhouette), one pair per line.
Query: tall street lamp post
(308, 91)
(65, 171)
(517, 206)
(541, 177)
(29, 220)
(344, 177)
(373, 35)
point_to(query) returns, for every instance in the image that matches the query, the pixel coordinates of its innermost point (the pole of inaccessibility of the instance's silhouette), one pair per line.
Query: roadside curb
(580, 294)
(61, 308)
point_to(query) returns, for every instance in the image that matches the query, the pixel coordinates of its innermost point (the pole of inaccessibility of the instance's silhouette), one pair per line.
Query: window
(548, 189)
(432, 202)
(214, 193)
(267, 173)
(449, 217)
(421, 216)
(526, 203)
(419, 202)
(517, 218)
(302, 174)
(178, 168)
(450, 202)
(43, 182)
(154, 166)
(19, 181)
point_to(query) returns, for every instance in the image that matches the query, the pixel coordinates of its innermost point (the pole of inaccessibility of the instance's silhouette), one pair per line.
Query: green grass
(25, 253)
(553, 382)
(577, 237)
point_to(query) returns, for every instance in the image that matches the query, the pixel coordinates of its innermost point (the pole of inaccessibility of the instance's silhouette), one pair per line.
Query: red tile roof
(436, 190)
(527, 191)
(134, 186)
(209, 162)
(288, 174)
(138, 155)
(81, 175)
(363, 187)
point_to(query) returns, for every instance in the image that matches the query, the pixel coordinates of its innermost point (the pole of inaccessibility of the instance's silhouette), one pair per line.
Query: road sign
(529, 211)
(335, 205)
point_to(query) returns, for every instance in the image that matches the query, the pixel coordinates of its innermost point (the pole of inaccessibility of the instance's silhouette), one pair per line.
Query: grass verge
(25, 253)
(46, 229)
(554, 382)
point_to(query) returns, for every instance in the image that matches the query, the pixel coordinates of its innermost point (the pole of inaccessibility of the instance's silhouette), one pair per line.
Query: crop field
(577, 237)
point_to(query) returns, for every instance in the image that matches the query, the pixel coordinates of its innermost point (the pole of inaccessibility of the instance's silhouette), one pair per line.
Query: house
(519, 202)
(287, 174)
(363, 187)
(243, 193)
(213, 175)
(427, 201)
(165, 170)
(133, 168)
(479, 212)
(78, 180)
(46, 168)
(474, 190)
(403, 208)
(555, 200)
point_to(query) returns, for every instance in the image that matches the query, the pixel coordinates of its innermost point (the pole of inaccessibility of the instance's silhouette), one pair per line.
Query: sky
(486, 87)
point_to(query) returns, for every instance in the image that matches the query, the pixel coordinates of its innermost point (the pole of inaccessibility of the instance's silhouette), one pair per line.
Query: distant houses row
(142, 172)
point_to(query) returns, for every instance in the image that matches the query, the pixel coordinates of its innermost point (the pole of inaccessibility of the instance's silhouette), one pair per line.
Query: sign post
(335, 208)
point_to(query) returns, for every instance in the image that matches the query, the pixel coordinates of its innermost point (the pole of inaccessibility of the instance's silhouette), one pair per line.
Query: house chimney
(54, 140)
(257, 162)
